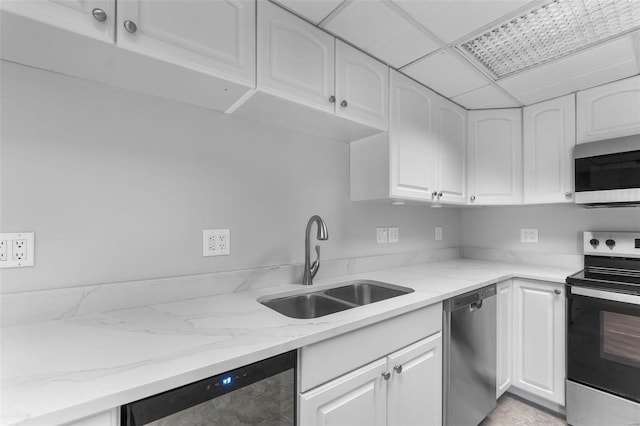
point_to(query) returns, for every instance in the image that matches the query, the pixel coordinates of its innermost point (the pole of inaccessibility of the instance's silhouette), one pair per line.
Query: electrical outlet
(3, 250)
(381, 234)
(17, 250)
(438, 232)
(528, 235)
(393, 234)
(216, 242)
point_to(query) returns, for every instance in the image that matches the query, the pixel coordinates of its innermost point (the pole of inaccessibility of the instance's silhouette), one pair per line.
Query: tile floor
(512, 411)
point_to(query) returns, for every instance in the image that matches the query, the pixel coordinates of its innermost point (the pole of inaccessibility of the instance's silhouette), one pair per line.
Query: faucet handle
(316, 263)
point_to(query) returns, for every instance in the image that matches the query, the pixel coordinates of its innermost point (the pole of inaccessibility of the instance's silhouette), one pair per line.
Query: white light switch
(381, 234)
(17, 250)
(393, 234)
(438, 233)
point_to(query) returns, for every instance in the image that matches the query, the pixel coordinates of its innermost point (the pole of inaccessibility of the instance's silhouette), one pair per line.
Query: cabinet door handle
(434, 194)
(344, 104)
(557, 292)
(398, 368)
(439, 194)
(99, 14)
(568, 194)
(386, 375)
(332, 99)
(473, 198)
(130, 26)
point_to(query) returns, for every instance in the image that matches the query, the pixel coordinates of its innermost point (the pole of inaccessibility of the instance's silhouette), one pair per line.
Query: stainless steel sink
(305, 306)
(328, 301)
(365, 292)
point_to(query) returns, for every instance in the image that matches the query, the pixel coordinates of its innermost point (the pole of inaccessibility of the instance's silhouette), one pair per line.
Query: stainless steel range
(603, 332)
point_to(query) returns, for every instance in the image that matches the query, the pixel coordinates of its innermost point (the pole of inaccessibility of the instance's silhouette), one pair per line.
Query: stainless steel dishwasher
(469, 382)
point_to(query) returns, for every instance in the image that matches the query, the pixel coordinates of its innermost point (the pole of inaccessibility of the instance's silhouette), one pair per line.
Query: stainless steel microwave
(607, 172)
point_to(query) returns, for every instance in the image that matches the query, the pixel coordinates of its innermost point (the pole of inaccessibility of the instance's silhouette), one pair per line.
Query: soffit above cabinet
(426, 40)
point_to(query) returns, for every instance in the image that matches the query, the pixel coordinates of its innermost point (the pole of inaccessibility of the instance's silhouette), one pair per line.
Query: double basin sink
(328, 301)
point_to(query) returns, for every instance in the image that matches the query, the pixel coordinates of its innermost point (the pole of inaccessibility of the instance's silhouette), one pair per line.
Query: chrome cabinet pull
(130, 26)
(344, 104)
(473, 198)
(386, 375)
(332, 99)
(99, 14)
(398, 368)
(557, 291)
(568, 194)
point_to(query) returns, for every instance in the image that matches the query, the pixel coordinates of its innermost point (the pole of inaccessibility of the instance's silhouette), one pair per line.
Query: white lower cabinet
(504, 354)
(404, 388)
(106, 418)
(539, 339)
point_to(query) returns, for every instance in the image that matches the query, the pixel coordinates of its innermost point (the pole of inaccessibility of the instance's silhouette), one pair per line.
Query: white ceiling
(419, 38)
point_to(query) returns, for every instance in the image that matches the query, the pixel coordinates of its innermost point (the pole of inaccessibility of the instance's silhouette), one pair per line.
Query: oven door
(603, 341)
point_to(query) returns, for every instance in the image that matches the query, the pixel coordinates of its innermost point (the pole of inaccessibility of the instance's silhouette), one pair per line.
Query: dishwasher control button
(594, 242)
(610, 243)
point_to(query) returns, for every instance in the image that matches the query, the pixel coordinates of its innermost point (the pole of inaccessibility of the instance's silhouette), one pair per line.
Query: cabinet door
(495, 156)
(357, 398)
(412, 143)
(539, 339)
(295, 59)
(452, 144)
(504, 353)
(212, 37)
(415, 387)
(106, 418)
(362, 87)
(79, 16)
(609, 111)
(549, 138)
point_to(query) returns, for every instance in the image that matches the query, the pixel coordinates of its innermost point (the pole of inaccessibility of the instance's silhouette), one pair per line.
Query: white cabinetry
(89, 18)
(504, 353)
(495, 156)
(386, 373)
(549, 138)
(422, 154)
(216, 37)
(106, 418)
(404, 388)
(609, 111)
(539, 339)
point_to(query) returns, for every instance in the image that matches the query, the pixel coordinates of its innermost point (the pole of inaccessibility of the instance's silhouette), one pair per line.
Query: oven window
(620, 338)
(603, 345)
(603, 172)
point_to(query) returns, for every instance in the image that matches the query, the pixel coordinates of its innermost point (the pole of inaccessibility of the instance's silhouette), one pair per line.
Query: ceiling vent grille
(551, 31)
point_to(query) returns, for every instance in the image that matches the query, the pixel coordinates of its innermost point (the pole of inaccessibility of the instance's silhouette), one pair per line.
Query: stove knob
(594, 242)
(610, 243)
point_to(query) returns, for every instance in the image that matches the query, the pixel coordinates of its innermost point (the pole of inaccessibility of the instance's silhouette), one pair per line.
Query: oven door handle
(606, 295)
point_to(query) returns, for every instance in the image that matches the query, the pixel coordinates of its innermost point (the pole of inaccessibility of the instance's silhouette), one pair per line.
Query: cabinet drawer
(331, 358)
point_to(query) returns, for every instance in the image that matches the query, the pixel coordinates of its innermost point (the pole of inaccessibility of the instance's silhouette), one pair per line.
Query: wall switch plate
(17, 249)
(393, 234)
(438, 232)
(381, 234)
(216, 242)
(528, 235)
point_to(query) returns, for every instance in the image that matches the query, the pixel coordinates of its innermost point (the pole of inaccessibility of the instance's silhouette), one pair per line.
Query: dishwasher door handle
(475, 306)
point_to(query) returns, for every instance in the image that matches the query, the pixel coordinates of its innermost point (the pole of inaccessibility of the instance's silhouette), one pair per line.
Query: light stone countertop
(58, 371)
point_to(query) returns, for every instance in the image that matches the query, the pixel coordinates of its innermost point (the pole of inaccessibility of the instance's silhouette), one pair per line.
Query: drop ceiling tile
(446, 73)
(379, 30)
(451, 20)
(485, 97)
(608, 62)
(538, 84)
(313, 10)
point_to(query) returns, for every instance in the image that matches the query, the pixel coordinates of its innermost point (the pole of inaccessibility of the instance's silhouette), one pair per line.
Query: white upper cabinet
(548, 141)
(451, 124)
(212, 37)
(495, 156)
(295, 59)
(609, 111)
(90, 18)
(412, 140)
(362, 87)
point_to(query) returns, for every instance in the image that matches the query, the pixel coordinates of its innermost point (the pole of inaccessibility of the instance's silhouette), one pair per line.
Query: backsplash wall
(560, 227)
(118, 186)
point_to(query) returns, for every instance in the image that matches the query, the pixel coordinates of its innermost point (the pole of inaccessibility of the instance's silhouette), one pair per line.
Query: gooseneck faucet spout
(310, 270)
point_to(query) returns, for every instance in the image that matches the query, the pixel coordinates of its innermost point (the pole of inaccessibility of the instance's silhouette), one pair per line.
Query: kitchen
(118, 159)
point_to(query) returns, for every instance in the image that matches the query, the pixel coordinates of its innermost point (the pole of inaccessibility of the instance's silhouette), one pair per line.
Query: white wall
(118, 186)
(560, 227)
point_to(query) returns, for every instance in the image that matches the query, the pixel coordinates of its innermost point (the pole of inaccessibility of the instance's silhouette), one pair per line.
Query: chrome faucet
(310, 270)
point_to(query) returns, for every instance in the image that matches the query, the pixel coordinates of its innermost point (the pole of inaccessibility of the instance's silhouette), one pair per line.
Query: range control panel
(618, 244)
